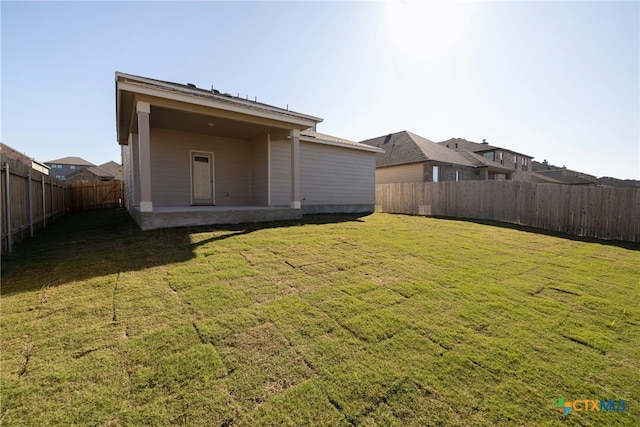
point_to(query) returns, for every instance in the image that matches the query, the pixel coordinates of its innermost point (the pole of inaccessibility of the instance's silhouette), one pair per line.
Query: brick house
(409, 157)
(60, 168)
(519, 164)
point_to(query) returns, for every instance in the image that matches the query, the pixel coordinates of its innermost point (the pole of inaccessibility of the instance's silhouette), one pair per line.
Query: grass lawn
(336, 320)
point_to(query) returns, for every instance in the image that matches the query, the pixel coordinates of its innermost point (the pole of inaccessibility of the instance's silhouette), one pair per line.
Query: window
(489, 155)
(72, 167)
(515, 162)
(458, 175)
(524, 164)
(501, 158)
(436, 174)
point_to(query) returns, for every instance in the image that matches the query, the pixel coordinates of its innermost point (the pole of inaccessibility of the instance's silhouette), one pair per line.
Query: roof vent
(484, 141)
(191, 85)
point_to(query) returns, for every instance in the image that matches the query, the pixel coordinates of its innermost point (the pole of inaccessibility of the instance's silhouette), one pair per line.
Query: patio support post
(144, 156)
(295, 169)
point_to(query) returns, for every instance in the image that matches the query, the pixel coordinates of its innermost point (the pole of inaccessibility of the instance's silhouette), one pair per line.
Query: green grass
(336, 320)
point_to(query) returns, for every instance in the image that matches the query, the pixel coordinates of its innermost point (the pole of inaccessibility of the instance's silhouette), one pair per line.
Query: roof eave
(135, 84)
(341, 144)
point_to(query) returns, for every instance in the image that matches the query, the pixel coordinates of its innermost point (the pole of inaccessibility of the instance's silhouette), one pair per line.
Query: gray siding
(280, 173)
(136, 170)
(260, 171)
(171, 168)
(125, 151)
(401, 173)
(331, 175)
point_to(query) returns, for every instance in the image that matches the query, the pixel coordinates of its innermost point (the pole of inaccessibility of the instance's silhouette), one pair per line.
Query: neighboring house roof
(620, 183)
(24, 159)
(476, 147)
(543, 178)
(480, 161)
(77, 161)
(323, 138)
(113, 168)
(406, 147)
(96, 171)
(562, 174)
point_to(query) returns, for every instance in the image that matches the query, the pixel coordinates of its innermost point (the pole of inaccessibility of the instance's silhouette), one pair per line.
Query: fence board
(593, 211)
(21, 215)
(50, 199)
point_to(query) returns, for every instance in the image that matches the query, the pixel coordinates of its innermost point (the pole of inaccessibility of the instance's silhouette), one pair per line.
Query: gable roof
(113, 168)
(78, 161)
(406, 147)
(94, 170)
(475, 147)
(480, 161)
(323, 138)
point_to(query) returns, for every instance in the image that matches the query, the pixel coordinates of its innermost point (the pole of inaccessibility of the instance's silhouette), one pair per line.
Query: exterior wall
(135, 168)
(280, 158)
(260, 171)
(338, 179)
(448, 173)
(513, 161)
(64, 170)
(401, 173)
(171, 168)
(125, 151)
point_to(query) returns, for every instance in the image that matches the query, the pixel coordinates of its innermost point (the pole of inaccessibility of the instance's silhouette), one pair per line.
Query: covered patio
(194, 157)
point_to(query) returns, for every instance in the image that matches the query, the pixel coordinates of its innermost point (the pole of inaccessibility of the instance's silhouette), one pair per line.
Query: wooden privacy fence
(593, 211)
(30, 201)
(94, 195)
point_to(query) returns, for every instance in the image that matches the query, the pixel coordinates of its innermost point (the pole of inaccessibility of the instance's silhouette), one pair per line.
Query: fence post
(44, 205)
(95, 196)
(8, 207)
(30, 204)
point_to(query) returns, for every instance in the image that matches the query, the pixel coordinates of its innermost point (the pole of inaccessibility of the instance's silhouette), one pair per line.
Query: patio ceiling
(186, 121)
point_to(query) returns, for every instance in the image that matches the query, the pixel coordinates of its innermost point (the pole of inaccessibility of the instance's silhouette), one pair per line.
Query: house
(520, 164)
(409, 157)
(110, 171)
(90, 174)
(113, 168)
(562, 175)
(195, 156)
(60, 168)
(24, 159)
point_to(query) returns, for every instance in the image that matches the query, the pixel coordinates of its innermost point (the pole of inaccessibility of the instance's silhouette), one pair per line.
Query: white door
(202, 178)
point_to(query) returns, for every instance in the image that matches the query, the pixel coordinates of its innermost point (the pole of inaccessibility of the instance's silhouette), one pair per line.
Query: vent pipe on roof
(191, 85)
(484, 141)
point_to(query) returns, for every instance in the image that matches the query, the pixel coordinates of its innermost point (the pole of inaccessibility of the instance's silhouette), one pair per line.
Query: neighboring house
(563, 175)
(24, 159)
(194, 156)
(114, 169)
(520, 164)
(60, 168)
(409, 157)
(90, 174)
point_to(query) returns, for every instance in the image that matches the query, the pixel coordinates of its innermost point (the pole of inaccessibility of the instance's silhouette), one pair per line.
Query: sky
(555, 80)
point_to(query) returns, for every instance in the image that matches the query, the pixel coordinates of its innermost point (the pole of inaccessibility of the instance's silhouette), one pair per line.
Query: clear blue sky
(556, 80)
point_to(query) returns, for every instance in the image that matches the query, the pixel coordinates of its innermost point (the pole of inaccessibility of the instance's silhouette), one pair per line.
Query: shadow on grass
(618, 243)
(96, 243)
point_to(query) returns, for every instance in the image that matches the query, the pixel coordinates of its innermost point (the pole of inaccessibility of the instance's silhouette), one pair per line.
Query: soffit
(185, 121)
